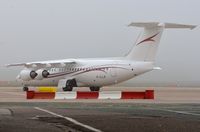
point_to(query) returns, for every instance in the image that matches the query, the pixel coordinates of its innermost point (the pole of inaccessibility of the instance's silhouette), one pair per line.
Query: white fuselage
(93, 72)
(98, 72)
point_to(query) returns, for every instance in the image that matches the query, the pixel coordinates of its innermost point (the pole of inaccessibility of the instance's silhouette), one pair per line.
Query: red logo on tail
(148, 39)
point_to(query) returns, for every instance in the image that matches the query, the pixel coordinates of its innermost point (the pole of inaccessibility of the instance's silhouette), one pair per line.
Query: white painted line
(70, 119)
(181, 112)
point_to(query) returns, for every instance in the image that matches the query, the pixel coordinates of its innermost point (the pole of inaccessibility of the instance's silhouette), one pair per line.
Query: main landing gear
(69, 85)
(25, 88)
(94, 88)
(72, 83)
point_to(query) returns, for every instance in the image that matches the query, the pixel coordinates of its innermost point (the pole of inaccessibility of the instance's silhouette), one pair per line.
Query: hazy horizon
(47, 29)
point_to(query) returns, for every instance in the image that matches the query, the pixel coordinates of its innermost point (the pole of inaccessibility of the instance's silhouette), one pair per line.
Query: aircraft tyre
(69, 85)
(94, 88)
(68, 88)
(25, 88)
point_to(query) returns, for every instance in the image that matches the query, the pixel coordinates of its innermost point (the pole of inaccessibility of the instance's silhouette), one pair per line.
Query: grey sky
(32, 30)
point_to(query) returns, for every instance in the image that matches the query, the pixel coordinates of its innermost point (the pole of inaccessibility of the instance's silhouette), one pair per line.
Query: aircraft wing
(44, 64)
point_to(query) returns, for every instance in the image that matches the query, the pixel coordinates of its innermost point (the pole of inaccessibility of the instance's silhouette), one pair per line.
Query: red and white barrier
(148, 94)
(110, 95)
(87, 95)
(65, 95)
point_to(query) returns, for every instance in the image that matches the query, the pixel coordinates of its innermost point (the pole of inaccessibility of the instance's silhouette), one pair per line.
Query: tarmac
(174, 109)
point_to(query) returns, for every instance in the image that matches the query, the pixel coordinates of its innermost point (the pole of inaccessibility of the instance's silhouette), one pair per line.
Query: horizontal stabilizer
(158, 24)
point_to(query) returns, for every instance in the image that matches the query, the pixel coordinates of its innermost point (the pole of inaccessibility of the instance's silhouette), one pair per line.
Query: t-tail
(147, 44)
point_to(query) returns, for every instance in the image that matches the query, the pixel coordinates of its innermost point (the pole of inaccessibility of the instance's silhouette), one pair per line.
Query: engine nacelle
(41, 74)
(27, 75)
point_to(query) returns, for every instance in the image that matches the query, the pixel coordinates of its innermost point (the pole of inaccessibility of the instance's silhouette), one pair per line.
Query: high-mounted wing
(44, 64)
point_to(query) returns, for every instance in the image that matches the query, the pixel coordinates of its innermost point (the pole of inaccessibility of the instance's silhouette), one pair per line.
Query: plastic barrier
(47, 89)
(133, 95)
(40, 95)
(65, 95)
(30, 94)
(110, 95)
(148, 94)
(87, 95)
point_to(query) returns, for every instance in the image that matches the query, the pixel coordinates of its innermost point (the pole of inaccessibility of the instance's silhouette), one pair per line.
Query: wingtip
(6, 65)
(193, 27)
(157, 68)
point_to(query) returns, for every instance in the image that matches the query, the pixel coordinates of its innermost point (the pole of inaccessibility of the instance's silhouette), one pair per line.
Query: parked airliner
(98, 72)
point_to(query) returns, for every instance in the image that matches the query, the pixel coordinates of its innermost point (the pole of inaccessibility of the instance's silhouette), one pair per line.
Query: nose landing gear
(69, 85)
(25, 88)
(94, 88)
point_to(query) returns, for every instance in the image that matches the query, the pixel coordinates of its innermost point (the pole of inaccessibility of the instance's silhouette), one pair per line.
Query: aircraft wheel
(94, 88)
(25, 88)
(69, 85)
(68, 88)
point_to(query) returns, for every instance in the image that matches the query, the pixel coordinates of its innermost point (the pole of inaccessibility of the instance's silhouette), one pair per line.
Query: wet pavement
(107, 117)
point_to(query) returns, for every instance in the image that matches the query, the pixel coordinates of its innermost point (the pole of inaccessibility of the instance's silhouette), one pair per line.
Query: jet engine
(27, 75)
(41, 74)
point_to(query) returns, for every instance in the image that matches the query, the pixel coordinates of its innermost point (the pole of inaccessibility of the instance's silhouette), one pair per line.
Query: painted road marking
(69, 119)
(181, 112)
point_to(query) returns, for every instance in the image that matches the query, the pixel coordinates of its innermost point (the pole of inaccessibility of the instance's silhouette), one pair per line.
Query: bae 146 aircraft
(98, 72)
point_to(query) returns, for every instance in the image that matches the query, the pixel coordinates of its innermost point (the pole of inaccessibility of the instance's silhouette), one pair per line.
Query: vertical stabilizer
(147, 44)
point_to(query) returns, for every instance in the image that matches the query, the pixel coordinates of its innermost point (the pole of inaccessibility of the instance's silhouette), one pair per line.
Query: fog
(32, 30)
